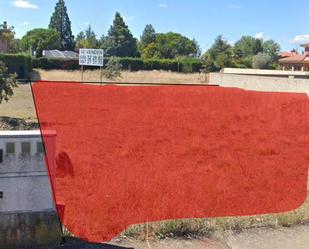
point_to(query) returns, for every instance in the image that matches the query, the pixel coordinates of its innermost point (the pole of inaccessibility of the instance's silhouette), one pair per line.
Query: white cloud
(24, 4)
(233, 6)
(163, 5)
(261, 36)
(24, 23)
(300, 39)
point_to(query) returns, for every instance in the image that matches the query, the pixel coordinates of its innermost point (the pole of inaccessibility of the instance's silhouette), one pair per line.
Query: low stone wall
(266, 72)
(260, 83)
(29, 229)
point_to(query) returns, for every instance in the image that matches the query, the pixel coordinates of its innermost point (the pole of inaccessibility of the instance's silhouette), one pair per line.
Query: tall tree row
(248, 52)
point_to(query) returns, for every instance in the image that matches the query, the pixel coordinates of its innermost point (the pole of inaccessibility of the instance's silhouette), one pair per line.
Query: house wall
(4, 47)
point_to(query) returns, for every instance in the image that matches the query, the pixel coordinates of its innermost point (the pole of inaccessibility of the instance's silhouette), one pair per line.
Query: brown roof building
(295, 61)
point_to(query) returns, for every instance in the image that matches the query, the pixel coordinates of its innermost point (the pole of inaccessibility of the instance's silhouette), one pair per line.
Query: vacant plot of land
(162, 153)
(21, 106)
(131, 77)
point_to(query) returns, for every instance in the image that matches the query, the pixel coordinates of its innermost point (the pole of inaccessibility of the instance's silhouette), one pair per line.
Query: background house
(4, 45)
(295, 61)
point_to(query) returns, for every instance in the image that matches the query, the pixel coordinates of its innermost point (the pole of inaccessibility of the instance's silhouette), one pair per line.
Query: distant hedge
(185, 65)
(49, 64)
(18, 63)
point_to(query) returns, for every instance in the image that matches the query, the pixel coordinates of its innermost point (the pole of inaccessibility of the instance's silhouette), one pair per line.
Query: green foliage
(17, 63)
(218, 56)
(60, 22)
(182, 64)
(171, 45)
(261, 61)
(86, 39)
(248, 52)
(113, 68)
(271, 48)
(119, 41)
(39, 40)
(248, 46)
(7, 83)
(148, 37)
(55, 64)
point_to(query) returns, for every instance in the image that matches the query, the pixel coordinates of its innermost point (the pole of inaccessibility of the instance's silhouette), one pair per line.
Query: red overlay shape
(130, 154)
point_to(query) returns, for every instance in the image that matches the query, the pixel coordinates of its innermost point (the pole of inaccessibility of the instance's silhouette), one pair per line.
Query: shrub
(18, 63)
(182, 64)
(132, 64)
(7, 83)
(61, 64)
(113, 68)
(261, 61)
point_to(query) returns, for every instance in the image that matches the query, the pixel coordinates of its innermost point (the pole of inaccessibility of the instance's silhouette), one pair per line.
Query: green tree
(86, 39)
(113, 68)
(271, 48)
(148, 36)
(261, 61)
(218, 56)
(149, 51)
(7, 83)
(171, 45)
(120, 41)
(248, 46)
(60, 21)
(39, 40)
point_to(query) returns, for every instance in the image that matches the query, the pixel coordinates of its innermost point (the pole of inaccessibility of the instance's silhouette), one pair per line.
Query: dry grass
(20, 105)
(127, 77)
(207, 227)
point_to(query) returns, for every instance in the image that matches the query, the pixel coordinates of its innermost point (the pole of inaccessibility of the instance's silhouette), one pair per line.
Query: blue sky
(285, 21)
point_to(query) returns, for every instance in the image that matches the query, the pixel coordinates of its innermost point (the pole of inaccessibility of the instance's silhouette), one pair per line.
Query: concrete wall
(27, 211)
(264, 72)
(29, 229)
(260, 83)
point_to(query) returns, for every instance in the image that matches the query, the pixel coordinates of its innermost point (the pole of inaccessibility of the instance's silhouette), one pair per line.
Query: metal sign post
(101, 72)
(82, 73)
(91, 57)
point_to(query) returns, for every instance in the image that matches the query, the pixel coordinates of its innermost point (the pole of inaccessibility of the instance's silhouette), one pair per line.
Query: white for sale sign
(91, 57)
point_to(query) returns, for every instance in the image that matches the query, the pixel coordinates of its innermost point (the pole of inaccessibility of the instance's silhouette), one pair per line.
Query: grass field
(21, 106)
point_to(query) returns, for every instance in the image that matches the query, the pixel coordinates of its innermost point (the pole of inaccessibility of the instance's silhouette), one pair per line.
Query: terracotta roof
(286, 54)
(295, 59)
